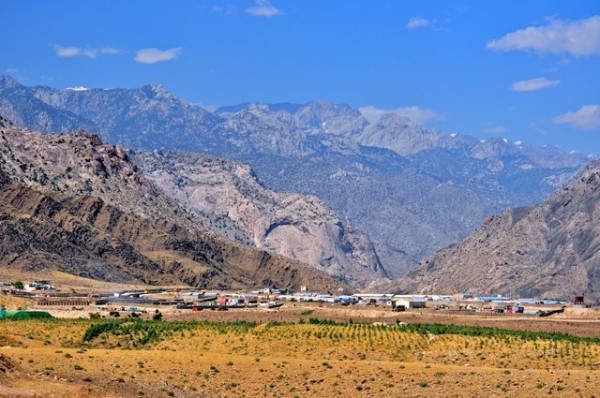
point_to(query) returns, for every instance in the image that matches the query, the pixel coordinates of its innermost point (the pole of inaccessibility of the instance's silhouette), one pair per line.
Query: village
(44, 296)
(193, 343)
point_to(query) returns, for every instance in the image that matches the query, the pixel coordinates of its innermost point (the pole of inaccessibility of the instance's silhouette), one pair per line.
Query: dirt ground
(48, 358)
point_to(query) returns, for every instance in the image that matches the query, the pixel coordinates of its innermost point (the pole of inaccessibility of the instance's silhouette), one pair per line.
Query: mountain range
(412, 190)
(73, 204)
(548, 250)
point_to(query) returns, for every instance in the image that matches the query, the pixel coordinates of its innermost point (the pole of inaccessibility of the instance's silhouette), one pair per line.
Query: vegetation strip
(151, 330)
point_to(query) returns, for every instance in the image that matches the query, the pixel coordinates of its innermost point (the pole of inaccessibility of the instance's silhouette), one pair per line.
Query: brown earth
(49, 358)
(289, 360)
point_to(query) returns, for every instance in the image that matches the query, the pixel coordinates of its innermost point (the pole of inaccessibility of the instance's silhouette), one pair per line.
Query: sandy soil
(49, 359)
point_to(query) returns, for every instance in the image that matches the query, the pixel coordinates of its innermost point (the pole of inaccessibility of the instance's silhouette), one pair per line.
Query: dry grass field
(132, 358)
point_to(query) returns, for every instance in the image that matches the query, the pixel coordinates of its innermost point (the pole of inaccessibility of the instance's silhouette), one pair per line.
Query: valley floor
(277, 358)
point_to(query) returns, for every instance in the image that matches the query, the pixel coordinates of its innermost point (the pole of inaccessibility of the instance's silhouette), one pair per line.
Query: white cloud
(494, 130)
(85, 52)
(534, 84)
(68, 51)
(371, 113)
(581, 37)
(413, 113)
(153, 55)
(263, 8)
(90, 53)
(418, 22)
(586, 118)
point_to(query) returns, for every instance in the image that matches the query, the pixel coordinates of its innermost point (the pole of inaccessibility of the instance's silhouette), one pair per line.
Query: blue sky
(524, 70)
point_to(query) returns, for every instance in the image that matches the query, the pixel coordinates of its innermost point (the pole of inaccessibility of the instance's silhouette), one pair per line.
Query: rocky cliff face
(400, 135)
(71, 203)
(412, 190)
(548, 250)
(81, 164)
(296, 226)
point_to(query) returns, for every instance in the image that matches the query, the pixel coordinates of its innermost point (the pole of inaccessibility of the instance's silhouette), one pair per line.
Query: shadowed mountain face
(412, 190)
(548, 250)
(71, 203)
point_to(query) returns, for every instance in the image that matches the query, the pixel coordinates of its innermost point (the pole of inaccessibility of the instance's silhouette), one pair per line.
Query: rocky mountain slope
(412, 190)
(296, 226)
(71, 203)
(548, 250)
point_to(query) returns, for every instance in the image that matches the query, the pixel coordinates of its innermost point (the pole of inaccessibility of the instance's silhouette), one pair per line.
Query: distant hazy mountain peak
(331, 118)
(395, 119)
(8, 82)
(258, 106)
(157, 91)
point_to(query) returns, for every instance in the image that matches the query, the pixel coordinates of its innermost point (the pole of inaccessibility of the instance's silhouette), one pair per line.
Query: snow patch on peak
(77, 88)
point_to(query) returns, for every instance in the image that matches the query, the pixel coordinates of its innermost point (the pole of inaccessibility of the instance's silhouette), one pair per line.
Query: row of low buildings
(463, 301)
(271, 298)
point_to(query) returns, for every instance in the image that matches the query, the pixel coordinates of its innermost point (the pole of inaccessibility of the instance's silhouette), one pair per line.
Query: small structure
(408, 301)
(492, 299)
(463, 296)
(373, 298)
(578, 302)
(64, 301)
(40, 285)
(529, 301)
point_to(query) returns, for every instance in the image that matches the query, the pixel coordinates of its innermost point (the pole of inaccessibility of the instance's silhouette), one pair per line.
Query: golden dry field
(133, 358)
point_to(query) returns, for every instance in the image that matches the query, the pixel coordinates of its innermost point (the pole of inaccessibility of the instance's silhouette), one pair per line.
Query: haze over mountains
(412, 190)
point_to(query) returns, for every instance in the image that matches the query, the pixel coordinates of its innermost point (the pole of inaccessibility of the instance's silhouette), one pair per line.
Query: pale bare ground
(72, 282)
(14, 302)
(288, 360)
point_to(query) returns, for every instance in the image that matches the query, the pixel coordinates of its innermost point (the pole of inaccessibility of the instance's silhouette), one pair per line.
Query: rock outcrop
(296, 226)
